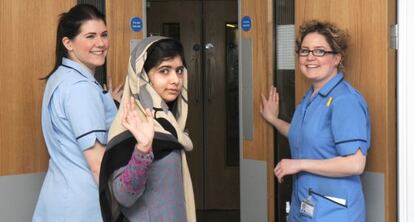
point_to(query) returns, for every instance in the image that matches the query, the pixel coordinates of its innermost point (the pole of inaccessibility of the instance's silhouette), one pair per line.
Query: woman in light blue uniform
(329, 135)
(76, 115)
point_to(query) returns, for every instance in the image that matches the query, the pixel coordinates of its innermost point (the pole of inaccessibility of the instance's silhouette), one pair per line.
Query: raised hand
(269, 108)
(142, 129)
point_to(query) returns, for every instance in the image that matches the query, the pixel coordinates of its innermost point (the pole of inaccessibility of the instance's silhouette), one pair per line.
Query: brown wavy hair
(336, 37)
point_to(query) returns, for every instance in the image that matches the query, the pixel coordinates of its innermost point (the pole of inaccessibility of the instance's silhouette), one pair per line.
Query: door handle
(211, 64)
(209, 46)
(210, 69)
(194, 86)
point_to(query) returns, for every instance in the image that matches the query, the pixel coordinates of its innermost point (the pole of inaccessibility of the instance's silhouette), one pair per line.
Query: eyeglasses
(315, 52)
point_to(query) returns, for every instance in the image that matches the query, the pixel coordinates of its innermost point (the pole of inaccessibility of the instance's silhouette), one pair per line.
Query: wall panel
(118, 17)
(27, 44)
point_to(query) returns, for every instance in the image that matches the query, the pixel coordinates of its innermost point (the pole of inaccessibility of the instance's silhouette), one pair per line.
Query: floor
(218, 215)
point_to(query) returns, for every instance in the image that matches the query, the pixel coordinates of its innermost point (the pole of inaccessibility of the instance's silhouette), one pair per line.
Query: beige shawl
(137, 85)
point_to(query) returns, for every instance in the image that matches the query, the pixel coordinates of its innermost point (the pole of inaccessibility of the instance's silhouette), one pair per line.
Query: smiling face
(167, 78)
(318, 69)
(90, 46)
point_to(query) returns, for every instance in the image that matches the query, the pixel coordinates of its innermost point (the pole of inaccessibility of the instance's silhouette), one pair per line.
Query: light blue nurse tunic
(75, 114)
(334, 122)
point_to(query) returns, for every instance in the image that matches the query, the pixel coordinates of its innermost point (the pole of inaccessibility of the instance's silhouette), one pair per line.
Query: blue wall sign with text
(136, 24)
(246, 23)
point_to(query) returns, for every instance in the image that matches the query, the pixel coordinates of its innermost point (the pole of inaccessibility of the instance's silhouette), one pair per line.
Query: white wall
(405, 110)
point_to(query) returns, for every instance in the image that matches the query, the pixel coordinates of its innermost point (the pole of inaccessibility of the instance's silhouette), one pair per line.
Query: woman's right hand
(142, 129)
(286, 167)
(270, 106)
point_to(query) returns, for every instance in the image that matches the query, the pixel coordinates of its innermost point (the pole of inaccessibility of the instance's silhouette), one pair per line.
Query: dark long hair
(163, 50)
(69, 26)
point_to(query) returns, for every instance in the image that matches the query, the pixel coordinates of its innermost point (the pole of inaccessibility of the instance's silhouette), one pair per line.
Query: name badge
(307, 207)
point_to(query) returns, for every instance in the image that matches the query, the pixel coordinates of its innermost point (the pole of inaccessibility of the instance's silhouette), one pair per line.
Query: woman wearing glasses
(329, 135)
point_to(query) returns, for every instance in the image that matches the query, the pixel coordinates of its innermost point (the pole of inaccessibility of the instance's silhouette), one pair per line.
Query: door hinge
(394, 36)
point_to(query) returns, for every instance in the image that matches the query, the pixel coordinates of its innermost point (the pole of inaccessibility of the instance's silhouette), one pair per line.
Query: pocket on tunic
(329, 207)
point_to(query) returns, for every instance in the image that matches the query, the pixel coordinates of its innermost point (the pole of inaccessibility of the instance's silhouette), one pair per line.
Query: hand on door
(269, 108)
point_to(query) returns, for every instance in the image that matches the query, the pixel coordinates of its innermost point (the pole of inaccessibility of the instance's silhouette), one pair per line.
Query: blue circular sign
(246, 23)
(136, 24)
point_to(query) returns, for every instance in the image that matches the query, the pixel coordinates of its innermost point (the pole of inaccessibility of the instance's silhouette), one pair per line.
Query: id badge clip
(307, 207)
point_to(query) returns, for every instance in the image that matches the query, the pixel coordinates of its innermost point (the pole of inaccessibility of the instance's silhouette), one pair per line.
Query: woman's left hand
(286, 167)
(142, 129)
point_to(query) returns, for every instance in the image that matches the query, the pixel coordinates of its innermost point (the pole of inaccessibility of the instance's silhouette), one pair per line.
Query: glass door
(208, 31)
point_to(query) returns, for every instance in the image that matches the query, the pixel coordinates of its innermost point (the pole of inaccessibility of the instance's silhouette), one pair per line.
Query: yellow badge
(328, 103)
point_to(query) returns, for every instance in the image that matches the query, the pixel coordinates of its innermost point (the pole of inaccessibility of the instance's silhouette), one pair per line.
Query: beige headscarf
(137, 85)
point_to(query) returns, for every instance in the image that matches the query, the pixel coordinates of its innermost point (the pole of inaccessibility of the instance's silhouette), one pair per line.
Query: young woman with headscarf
(148, 179)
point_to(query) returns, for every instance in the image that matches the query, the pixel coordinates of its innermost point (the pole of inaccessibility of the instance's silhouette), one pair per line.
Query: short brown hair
(336, 37)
